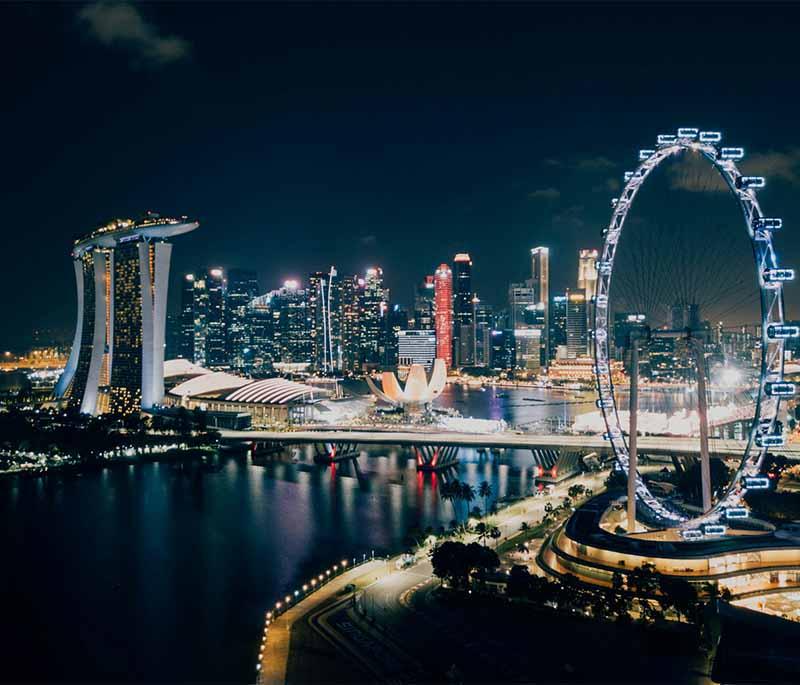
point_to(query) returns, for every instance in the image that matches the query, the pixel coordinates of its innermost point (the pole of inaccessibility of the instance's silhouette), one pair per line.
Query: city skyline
(279, 177)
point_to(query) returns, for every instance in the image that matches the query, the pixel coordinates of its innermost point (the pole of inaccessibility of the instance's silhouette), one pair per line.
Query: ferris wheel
(766, 431)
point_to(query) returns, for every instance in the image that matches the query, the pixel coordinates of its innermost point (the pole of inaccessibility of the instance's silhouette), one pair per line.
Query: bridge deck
(647, 444)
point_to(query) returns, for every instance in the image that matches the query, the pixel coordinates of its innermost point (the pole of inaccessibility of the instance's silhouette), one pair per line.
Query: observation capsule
(770, 440)
(692, 534)
(780, 389)
(666, 139)
(778, 331)
(756, 482)
(710, 136)
(628, 176)
(604, 267)
(778, 275)
(745, 182)
(714, 529)
(686, 132)
(612, 435)
(768, 223)
(734, 153)
(736, 513)
(645, 154)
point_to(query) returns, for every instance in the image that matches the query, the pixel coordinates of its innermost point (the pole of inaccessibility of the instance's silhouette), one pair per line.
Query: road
(389, 630)
(661, 445)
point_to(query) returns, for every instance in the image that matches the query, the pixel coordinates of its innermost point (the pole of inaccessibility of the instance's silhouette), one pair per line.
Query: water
(153, 573)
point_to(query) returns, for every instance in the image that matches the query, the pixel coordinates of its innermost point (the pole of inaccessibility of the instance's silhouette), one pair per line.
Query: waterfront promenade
(274, 658)
(322, 638)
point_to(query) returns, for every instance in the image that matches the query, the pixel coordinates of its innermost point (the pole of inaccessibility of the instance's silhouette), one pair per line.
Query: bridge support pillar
(435, 457)
(331, 452)
(266, 450)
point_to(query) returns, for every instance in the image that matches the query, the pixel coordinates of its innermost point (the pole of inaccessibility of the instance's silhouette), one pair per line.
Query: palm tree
(467, 494)
(449, 493)
(482, 531)
(485, 491)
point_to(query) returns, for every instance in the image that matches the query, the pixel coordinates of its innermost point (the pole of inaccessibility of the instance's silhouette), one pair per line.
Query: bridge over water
(434, 449)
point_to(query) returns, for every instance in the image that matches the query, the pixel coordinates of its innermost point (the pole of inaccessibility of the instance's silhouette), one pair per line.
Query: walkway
(275, 655)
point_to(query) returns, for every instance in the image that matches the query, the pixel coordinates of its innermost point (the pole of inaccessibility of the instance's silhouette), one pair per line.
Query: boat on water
(532, 399)
(501, 394)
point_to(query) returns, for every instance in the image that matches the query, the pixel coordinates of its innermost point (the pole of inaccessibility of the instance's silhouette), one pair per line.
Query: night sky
(369, 134)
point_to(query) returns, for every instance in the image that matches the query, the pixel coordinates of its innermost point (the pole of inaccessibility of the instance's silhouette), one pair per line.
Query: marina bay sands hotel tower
(122, 276)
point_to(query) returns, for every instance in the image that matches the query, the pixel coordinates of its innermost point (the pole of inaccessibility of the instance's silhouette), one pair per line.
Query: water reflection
(160, 572)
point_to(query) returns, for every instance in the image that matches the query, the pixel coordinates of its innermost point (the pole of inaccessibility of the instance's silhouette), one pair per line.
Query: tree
(200, 419)
(467, 494)
(447, 491)
(485, 491)
(449, 561)
(495, 534)
(455, 562)
(689, 483)
(482, 532)
(576, 490)
(616, 479)
(519, 581)
(678, 593)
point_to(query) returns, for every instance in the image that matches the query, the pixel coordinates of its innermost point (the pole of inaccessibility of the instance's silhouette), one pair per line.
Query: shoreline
(171, 454)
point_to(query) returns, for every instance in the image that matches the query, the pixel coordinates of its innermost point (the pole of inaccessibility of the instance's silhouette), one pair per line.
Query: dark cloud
(572, 218)
(122, 25)
(550, 194)
(368, 239)
(595, 164)
(783, 166)
(697, 175)
(610, 185)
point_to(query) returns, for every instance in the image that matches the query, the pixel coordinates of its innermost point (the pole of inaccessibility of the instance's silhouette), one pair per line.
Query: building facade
(463, 315)
(416, 347)
(122, 278)
(443, 294)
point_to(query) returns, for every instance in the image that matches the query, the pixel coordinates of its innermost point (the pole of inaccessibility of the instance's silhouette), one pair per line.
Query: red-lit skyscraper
(443, 289)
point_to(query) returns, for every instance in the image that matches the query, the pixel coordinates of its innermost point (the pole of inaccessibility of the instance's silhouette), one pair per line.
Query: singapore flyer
(768, 274)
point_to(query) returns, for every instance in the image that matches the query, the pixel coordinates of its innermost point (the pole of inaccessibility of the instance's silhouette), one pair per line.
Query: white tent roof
(273, 391)
(183, 367)
(215, 381)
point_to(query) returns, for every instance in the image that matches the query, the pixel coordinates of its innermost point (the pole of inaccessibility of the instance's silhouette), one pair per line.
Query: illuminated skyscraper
(122, 277)
(216, 343)
(558, 326)
(372, 312)
(186, 345)
(443, 299)
(577, 343)
(587, 282)
(350, 359)
(587, 272)
(463, 316)
(262, 334)
(324, 296)
(423, 305)
(540, 276)
(483, 333)
(291, 322)
(242, 288)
